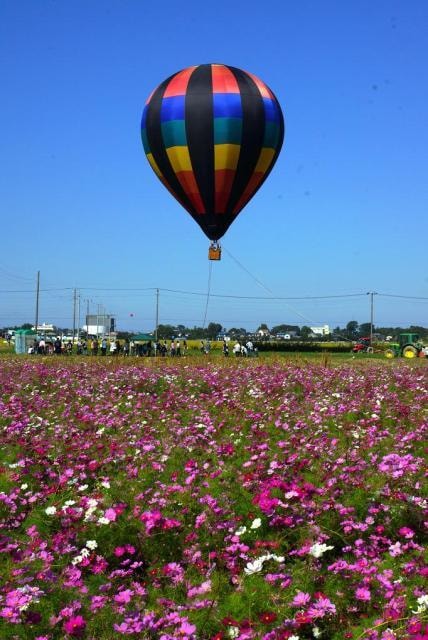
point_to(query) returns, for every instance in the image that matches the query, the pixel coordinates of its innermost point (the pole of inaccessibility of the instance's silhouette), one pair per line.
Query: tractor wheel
(410, 351)
(390, 353)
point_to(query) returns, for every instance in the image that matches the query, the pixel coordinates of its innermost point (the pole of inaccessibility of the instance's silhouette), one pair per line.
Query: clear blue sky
(343, 212)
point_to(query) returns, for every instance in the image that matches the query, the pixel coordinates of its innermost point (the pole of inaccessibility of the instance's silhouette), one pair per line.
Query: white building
(321, 331)
(99, 325)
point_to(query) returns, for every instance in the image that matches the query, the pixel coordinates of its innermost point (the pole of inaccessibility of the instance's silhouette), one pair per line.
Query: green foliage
(292, 346)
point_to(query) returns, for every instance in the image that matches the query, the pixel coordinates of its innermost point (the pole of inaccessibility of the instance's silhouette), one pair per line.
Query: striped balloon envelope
(212, 134)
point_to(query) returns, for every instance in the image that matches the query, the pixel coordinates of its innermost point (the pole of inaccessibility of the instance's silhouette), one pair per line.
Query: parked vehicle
(408, 346)
(363, 345)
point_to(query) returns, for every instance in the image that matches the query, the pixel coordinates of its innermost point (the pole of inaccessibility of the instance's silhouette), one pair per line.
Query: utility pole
(78, 316)
(74, 314)
(157, 314)
(371, 294)
(87, 318)
(37, 301)
(98, 317)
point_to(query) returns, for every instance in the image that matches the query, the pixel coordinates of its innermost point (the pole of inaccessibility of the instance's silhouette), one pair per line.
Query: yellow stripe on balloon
(265, 160)
(226, 156)
(180, 159)
(154, 165)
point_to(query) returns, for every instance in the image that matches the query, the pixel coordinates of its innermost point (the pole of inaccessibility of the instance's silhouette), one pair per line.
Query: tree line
(352, 331)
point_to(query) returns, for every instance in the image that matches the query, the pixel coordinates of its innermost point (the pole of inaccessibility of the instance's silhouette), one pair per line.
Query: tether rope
(264, 286)
(210, 269)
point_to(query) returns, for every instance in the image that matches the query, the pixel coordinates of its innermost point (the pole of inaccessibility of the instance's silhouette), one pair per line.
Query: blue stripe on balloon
(144, 117)
(172, 108)
(271, 110)
(227, 105)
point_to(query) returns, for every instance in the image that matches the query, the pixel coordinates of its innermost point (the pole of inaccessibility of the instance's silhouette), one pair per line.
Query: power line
(391, 295)
(216, 295)
(210, 270)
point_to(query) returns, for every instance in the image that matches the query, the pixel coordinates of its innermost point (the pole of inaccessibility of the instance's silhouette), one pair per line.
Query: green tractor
(408, 346)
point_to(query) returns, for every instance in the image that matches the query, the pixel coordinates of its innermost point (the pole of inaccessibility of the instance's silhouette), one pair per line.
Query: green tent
(24, 338)
(142, 337)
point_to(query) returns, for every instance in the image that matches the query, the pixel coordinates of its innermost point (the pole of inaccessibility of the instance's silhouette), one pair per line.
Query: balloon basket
(214, 252)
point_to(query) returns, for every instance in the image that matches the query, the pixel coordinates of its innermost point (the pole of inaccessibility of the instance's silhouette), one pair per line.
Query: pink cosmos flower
(197, 591)
(123, 597)
(300, 599)
(75, 626)
(322, 607)
(119, 551)
(98, 602)
(186, 628)
(110, 514)
(363, 594)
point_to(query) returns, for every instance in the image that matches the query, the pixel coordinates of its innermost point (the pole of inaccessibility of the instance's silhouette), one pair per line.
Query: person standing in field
(94, 347)
(126, 347)
(103, 347)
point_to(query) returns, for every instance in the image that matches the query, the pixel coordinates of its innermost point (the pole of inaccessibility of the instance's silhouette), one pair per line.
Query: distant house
(262, 333)
(286, 336)
(44, 328)
(321, 331)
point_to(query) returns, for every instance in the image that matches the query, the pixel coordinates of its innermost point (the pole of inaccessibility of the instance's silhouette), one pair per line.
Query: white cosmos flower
(278, 558)
(91, 544)
(50, 511)
(254, 567)
(68, 503)
(103, 520)
(240, 531)
(423, 604)
(256, 523)
(317, 550)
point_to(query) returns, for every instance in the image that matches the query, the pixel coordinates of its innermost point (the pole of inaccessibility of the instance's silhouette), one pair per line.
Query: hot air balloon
(212, 134)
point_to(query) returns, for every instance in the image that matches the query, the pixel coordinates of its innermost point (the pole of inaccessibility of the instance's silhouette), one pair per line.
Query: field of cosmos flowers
(197, 499)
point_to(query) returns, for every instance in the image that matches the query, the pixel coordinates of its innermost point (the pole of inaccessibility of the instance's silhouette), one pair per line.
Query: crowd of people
(114, 347)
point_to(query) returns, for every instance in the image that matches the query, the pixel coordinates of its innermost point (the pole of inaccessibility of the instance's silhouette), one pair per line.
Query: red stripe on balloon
(178, 84)
(264, 90)
(223, 185)
(223, 80)
(188, 182)
(251, 187)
